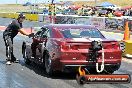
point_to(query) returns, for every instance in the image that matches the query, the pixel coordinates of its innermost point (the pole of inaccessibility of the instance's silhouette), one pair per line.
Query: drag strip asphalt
(20, 75)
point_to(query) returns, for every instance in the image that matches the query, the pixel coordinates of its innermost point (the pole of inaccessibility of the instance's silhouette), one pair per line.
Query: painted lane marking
(127, 60)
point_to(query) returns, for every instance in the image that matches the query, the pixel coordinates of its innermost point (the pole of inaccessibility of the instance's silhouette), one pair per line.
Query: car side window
(37, 34)
(46, 34)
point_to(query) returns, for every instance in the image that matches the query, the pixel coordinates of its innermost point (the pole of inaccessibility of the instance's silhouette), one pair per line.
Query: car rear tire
(107, 70)
(111, 69)
(23, 47)
(48, 67)
(92, 71)
(26, 59)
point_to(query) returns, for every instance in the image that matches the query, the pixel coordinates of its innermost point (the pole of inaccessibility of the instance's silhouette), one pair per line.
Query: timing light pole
(52, 2)
(52, 17)
(95, 2)
(16, 2)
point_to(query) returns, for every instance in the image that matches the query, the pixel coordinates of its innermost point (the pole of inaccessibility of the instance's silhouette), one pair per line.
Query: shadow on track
(41, 71)
(3, 62)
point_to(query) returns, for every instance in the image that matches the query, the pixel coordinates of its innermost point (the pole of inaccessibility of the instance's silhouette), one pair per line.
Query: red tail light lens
(74, 47)
(112, 46)
(108, 47)
(116, 46)
(65, 47)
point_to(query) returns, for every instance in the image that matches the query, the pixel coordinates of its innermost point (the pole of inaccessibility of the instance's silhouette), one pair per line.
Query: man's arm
(23, 32)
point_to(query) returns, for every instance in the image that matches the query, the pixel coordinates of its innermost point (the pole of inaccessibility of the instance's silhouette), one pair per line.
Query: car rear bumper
(74, 68)
(84, 62)
(76, 59)
(72, 65)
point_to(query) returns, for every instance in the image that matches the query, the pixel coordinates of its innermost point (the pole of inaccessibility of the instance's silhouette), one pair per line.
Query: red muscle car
(65, 47)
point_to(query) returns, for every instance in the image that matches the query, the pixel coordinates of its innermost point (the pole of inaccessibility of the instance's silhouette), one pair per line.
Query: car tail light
(64, 46)
(70, 46)
(113, 45)
(108, 47)
(74, 47)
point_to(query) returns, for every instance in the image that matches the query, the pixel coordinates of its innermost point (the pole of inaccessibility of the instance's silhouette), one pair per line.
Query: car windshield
(81, 33)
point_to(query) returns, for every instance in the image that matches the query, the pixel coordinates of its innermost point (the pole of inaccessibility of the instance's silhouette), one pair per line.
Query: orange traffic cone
(126, 33)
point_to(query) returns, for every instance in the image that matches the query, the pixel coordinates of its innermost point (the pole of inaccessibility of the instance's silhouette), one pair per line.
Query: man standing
(11, 31)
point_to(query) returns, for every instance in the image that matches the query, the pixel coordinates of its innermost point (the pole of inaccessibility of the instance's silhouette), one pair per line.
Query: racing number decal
(122, 46)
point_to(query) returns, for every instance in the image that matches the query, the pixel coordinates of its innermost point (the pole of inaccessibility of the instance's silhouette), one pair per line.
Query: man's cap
(21, 15)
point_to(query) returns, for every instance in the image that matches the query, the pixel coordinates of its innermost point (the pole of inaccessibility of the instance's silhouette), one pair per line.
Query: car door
(43, 39)
(36, 41)
(36, 38)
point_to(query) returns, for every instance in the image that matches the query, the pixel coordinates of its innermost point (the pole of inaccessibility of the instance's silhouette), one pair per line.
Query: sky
(32, 1)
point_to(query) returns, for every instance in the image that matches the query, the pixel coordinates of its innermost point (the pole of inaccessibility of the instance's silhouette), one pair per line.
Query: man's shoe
(8, 63)
(16, 61)
(13, 59)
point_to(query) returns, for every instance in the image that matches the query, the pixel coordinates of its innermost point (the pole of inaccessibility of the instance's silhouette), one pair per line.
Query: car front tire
(48, 63)
(26, 59)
